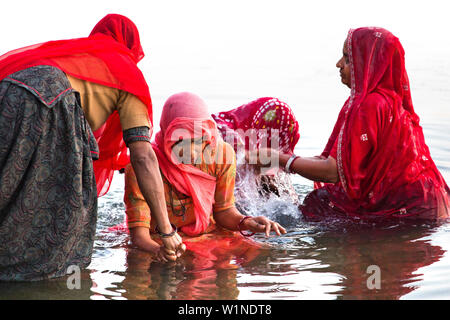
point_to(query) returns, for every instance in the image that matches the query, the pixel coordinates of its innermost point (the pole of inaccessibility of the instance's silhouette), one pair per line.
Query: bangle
(240, 230)
(167, 235)
(287, 168)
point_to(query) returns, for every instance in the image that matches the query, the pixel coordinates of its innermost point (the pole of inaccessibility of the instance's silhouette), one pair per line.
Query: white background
(231, 52)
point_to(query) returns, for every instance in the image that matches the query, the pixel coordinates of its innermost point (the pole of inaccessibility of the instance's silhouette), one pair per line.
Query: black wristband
(167, 235)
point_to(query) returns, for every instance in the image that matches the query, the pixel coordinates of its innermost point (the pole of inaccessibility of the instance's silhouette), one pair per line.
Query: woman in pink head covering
(376, 163)
(198, 170)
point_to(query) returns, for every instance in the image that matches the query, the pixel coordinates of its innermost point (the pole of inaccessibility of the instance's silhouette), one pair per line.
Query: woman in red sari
(376, 163)
(264, 122)
(52, 96)
(263, 115)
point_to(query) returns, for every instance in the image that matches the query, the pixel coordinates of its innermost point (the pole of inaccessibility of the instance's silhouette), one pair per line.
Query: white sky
(236, 50)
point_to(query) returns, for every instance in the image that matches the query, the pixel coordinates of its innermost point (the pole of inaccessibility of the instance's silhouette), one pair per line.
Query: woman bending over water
(198, 170)
(52, 96)
(376, 163)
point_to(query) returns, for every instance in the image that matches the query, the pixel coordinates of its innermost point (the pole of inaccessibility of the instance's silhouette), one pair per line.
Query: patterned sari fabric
(385, 168)
(267, 117)
(48, 195)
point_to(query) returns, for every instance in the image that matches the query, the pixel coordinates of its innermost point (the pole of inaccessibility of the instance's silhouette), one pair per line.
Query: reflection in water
(207, 271)
(55, 289)
(326, 260)
(315, 260)
(398, 250)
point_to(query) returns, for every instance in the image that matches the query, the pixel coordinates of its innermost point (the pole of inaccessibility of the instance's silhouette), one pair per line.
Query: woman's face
(189, 151)
(344, 67)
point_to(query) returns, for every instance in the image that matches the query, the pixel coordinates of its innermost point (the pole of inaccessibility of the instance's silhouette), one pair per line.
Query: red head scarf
(262, 115)
(383, 162)
(109, 57)
(185, 116)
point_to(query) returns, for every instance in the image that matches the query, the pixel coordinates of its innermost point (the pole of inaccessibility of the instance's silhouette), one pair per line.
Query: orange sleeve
(136, 208)
(226, 176)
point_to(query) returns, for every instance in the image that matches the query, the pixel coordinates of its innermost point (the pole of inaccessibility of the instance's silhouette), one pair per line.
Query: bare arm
(145, 165)
(230, 218)
(313, 168)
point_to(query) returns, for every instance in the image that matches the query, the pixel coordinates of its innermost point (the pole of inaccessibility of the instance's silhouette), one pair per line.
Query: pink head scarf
(186, 116)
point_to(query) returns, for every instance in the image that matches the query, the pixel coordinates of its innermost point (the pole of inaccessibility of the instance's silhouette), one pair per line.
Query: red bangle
(239, 227)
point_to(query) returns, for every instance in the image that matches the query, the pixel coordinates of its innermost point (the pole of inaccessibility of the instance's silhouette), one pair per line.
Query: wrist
(244, 225)
(140, 237)
(289, 162)
(165, 227)
(283, 159)
(171, 233)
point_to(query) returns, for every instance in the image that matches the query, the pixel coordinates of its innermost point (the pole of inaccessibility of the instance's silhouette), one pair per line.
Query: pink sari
(185, 116)
(385, 168)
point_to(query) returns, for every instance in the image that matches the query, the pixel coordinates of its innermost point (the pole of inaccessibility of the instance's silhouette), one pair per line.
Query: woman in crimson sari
(264, 122)
(376, 163)
(262, 115)
(54, 98)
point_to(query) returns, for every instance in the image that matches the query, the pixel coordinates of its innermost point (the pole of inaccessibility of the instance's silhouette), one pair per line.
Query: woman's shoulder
(375, 100)
(375, 107)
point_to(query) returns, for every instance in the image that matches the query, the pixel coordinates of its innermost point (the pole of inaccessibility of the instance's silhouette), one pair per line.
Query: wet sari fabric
(180, 207)
(384, 166)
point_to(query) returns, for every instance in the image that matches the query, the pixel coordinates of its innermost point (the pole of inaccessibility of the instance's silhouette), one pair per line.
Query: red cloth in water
(262, 114)
(384, 165)
(109, 57)
(217, 247)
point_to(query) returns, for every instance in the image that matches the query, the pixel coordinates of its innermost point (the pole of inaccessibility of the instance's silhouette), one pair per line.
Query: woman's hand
(263, 157)
(140, 237)
(262, 224)
(174, 245)
(165, 255)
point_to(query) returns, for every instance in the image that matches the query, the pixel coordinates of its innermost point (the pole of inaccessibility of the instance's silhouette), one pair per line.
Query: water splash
(272, 196)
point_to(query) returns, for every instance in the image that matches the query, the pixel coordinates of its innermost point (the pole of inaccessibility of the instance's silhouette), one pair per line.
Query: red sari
(385, 168)
(109, 57)
(265, 115)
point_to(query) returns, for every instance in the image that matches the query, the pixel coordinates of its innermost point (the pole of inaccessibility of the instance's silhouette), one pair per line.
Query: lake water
(328, 260)
(312, 261)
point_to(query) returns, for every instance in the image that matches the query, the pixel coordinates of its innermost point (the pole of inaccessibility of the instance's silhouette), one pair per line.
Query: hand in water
(263, 224)
(263, 157)
(174, 246)
(165, 255)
